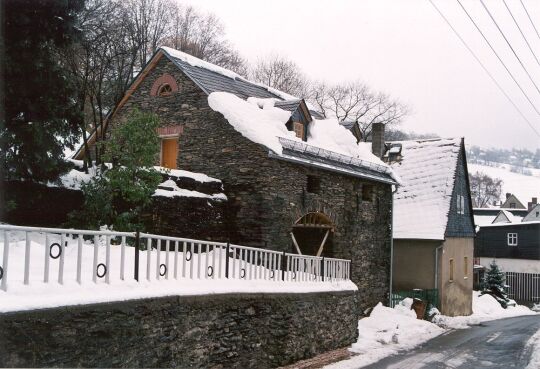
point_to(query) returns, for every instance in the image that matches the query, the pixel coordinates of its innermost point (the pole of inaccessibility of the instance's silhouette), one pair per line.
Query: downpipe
(391, 248)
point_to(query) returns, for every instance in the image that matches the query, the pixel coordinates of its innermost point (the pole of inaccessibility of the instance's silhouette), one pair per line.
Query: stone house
(433, 221)
(298, 185)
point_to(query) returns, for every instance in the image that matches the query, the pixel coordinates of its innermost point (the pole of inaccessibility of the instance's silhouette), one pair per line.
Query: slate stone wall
(266, 196)
(219, 331)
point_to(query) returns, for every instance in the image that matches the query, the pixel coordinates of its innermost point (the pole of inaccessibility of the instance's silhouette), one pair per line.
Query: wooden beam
(319, 252)
(296, 244)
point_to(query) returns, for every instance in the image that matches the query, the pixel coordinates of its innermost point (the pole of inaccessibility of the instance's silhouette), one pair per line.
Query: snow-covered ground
(533, 344)
(192, 276)
(388, 331)
(524, 187)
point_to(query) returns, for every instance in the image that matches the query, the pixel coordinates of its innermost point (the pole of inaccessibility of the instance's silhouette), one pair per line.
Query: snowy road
(493, 344)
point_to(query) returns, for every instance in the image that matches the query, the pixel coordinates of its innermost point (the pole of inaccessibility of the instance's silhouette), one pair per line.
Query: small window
(367, 192)
(164, 90)
(451, 279)
(313, 184)
(299, 130)
(460, 205)
(465, 267)
(512, 239)
(512, 205)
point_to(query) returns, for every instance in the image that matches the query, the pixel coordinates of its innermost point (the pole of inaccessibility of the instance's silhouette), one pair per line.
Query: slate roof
(289, 105)
(422, 202)
(210, 81)
(306, 154)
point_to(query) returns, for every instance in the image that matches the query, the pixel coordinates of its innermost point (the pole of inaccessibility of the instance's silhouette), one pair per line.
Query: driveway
(495, 344)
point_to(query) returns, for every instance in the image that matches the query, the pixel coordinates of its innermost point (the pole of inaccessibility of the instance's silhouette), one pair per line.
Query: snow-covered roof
(506, 216)
(422, 202)
(329, 145)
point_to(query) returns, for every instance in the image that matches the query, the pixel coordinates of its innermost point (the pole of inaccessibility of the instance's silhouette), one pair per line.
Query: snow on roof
(422, 202)
(481, 219)
(170, 189)
(178, 173)
(263, 123)
(511, 224)
(506, 216)
(196, 62)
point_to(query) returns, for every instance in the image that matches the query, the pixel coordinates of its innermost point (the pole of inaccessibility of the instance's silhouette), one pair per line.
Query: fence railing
(523, 286)
(429, 295)
(43, 254)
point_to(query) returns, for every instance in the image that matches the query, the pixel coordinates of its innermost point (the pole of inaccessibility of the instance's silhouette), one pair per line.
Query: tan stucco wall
(414, 264)
(456, 296)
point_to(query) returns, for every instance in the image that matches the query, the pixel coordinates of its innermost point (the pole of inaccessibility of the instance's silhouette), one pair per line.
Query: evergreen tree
(119, 195)
(40, 105)
(494, 284)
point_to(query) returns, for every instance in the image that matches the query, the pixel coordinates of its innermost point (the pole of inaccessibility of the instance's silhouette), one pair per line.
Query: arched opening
(164, 90)
(312, 234)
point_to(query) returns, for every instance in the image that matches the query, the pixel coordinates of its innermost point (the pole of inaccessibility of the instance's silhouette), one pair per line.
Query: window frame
(512, 239)
(313, 184)
(460, 204)
(301, 130)
(451, 270)
(368, 197)
(465, 267)
(160, 91)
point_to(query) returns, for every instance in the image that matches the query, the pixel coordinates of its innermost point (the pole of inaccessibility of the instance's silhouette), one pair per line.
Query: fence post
(283, 260)
(226, 261)
(137, 241)
(322, 269)
(350, 269)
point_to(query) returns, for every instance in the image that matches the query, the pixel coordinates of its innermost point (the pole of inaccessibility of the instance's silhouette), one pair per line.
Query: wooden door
(169, 152)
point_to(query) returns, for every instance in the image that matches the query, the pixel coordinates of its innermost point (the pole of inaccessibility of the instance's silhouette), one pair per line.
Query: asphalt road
(494, 344)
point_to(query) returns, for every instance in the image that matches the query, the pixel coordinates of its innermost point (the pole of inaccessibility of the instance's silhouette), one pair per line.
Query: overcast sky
(404, 48)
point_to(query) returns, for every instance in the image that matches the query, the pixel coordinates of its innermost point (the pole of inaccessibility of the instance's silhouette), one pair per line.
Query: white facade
(513, 265)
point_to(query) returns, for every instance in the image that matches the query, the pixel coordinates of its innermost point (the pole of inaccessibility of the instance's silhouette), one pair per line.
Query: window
(299, 130)
(512, 205)
(451, 279)
(367, 192)
(512, 239)
(465, 267)
(460, 204)
(164, 90)
(313, 184)
(169, 152)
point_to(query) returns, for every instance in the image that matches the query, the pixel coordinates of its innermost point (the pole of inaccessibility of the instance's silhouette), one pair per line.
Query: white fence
(82, 255)
(523, 286)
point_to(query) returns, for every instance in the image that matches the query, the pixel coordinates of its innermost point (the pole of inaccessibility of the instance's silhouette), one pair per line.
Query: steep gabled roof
(428, 171)
(513, 199)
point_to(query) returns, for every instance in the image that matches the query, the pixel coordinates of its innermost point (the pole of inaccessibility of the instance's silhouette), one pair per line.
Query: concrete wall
(513, 265)
(219, 331)
(456, 295)
(414, 264)
(267, 195)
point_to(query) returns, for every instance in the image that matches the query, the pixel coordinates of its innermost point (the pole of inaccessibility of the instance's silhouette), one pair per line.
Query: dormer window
(164, 90)
(299, 130)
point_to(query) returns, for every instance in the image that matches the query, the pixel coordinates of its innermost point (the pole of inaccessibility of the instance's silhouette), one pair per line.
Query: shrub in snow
(118, 195)
(494, 284)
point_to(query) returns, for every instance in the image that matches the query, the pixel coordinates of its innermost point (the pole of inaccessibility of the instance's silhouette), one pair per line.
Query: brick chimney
(508, 194)
(377, 139)
(532, 204)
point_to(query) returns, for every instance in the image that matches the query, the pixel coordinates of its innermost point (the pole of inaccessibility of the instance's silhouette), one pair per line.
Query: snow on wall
(259, 121)
(199, 177)
(169, 188)
(422, 202)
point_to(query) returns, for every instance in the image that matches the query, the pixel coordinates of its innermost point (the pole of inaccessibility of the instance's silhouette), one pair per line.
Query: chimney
(532, 204)
(508, 194)
(377, 139)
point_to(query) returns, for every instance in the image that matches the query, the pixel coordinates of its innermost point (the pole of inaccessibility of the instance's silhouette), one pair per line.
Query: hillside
(523, 186)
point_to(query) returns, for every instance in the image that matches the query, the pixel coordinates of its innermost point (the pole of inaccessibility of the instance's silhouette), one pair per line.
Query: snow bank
(259, 121)
(533, 345)
(386, 332)
(23, 297)
(485, 308)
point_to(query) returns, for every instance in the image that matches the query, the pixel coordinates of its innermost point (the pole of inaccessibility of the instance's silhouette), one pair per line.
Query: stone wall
(266, 196)
(218, 331)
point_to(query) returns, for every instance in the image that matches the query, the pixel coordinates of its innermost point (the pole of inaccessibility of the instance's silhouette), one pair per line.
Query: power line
(510, 45)
(530, 19)
(484, 68)
(520, 31)
(498, 57)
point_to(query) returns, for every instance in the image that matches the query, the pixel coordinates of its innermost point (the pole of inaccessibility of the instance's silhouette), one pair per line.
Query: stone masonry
(266, 195)
(214, 331)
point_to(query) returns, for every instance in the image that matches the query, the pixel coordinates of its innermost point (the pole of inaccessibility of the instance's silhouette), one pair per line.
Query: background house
(314, 190)
(433, 224)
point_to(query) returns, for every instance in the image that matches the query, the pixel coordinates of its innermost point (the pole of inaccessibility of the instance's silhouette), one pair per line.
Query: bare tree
(355, 101)
(201, 35)
(282, 74)
(485, 190)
